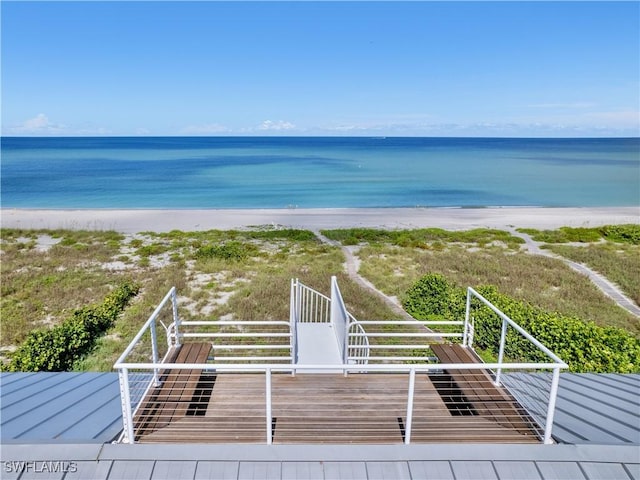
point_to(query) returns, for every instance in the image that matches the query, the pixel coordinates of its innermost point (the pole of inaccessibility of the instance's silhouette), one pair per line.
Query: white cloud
(208, 129)
(38, 125)
(276, 126)
(614, 124)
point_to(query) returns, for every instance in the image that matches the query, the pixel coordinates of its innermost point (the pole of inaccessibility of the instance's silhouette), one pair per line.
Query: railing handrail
(314, 291)
(342, 321)
(409, 322)
(403, 367)
(146, 325)
(283, 323)
(522, 331)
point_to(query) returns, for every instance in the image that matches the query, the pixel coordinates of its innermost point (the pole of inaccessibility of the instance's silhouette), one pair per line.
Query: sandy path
(352, 264)
(607, 287)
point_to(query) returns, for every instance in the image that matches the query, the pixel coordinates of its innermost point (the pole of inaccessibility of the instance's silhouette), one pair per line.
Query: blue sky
(321, 68)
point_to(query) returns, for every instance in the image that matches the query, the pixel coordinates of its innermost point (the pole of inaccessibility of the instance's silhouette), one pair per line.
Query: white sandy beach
(132, 221)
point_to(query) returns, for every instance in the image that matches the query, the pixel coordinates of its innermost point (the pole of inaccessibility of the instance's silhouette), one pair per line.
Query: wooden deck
(478, 389)
(330, 408)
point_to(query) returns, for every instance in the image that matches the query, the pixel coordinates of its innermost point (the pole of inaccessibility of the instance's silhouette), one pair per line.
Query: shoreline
(448, 218)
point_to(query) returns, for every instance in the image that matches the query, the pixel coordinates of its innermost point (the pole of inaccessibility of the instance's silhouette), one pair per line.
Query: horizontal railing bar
(391, 346)
(314, 292)
(377, 368)
(408, 322)
(234, 335)
(214, 323)
(249, 347)
(370, 357)
(406, 335)
(236, 359)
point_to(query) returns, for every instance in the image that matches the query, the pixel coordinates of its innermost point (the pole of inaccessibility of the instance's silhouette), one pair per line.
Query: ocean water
(312, 172)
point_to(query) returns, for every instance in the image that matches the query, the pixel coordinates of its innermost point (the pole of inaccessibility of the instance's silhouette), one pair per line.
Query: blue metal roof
(68, 417)
(590, 408)
(66, 407)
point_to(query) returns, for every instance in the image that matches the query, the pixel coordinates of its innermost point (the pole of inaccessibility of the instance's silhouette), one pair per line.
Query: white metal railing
(358, 348)
(127, 369)
(339, 319)
(238, 339)
(386, 341)
(310, 306)
(500, 366)
(139, 368)
(146, 346)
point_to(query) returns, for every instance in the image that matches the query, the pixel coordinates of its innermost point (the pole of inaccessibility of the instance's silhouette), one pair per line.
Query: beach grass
(246, 274)
(218, 274)
(620, 263)
(545, 282)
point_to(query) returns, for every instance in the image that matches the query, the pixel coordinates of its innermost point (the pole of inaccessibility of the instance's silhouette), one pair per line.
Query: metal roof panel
(219, 470)
(70, 406)
(95, 470)
(473, 470)
(171, 470)
(434, 470)
(590, 408)
(131, 470)
(345, 470)
(259, 471)
(560, 470)
(605, 471)
(302, 470)
(519, 470)
(388, 471)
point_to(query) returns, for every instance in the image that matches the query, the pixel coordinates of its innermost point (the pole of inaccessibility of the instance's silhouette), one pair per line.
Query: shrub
(629, 233)
(57, 349)
(584, 346)
(229, 251)
(433, 298)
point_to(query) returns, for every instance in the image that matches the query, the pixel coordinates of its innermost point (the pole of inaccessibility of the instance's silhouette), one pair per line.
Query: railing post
(553, 394)
(465, 335)
(407, 427)
(176, 319)
(125, 401)
(268, 406)
(345, 347)
(293, 327)
(298, 302)
(503, 338)
(154, 352)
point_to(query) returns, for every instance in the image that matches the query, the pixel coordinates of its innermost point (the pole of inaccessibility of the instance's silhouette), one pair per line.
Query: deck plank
(172, 399)
(364, 408)
(477, 386)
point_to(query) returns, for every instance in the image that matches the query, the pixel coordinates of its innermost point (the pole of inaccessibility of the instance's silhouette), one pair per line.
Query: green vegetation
(231, 251)
(427, 238)
(245, 274)
(58, 348)
(545, 282)
(584, 346)
(629, 233)
(232, 274)
(612, 250)
(619, 263)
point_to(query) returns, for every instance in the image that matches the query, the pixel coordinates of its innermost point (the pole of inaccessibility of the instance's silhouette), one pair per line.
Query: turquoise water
(284, 172)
